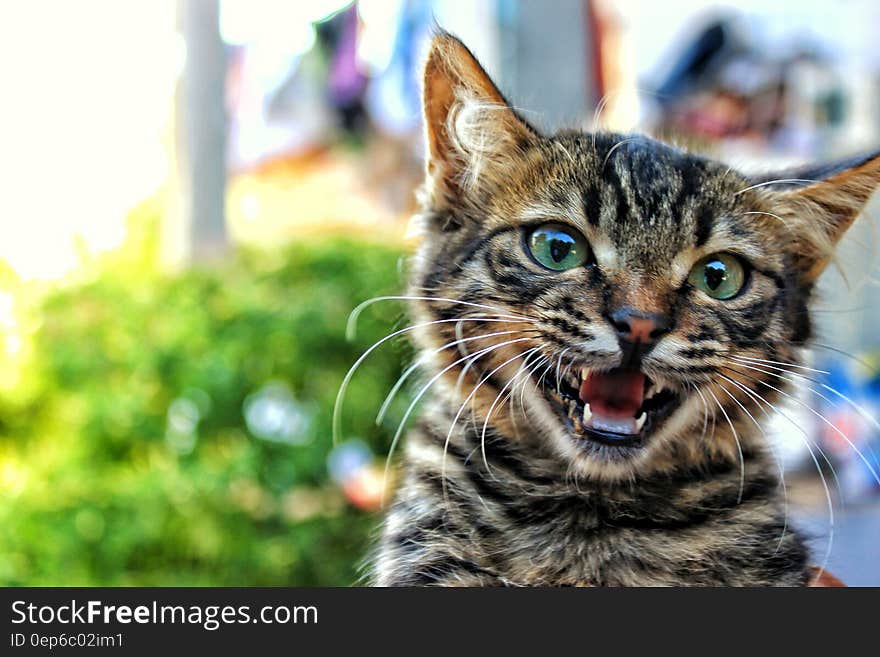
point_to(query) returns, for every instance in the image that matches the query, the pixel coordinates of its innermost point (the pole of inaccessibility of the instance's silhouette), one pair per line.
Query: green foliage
(132, 462)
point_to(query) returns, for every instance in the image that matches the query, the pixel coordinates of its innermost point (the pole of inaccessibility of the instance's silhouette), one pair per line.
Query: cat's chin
(612, 415)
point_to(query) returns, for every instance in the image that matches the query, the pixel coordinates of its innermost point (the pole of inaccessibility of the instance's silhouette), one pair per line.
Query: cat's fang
(587, 414)
(640, 421)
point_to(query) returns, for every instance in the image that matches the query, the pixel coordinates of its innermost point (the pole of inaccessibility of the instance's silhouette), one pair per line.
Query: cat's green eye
(720, 275)
(558, 247)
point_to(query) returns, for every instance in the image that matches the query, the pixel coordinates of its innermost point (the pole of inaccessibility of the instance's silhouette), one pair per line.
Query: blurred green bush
(132, 461)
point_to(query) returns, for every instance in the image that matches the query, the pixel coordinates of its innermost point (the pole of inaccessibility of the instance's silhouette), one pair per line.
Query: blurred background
(196, 194)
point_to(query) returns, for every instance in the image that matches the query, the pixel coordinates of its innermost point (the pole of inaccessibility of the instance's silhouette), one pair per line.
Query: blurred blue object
(850, 402)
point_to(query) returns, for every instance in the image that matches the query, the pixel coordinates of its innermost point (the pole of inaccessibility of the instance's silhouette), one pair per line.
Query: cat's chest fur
(481, 515)
(582, 541)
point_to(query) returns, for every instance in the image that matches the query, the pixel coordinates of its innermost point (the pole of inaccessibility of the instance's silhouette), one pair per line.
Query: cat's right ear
(822, 211)
(471, 130)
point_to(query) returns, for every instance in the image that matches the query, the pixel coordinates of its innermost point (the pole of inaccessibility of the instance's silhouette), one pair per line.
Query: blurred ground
(855, 534)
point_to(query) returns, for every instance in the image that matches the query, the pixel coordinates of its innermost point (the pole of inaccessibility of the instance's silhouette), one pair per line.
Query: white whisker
(766, 183)
(426, 387)
(337, 406)
(705, 410)
(769, 214)
(420, 361)
(760, 400)
(830, 424)
(351, 326)
(775, 457)
(558, 365)
(530, 375)
(622, 142)
(742, 464)
(859, 409)
(461, 408)
(491, 410)
(777, 362)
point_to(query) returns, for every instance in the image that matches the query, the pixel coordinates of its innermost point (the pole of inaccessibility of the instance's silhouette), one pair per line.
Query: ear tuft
(468, 123)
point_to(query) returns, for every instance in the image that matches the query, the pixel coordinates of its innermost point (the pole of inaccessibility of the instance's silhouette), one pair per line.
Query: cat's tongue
(613, 399)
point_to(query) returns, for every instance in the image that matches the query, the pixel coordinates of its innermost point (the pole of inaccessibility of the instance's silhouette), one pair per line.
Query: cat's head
(630, 293)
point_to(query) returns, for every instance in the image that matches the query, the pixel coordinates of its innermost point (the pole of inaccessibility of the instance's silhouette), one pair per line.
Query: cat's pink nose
(634, 326)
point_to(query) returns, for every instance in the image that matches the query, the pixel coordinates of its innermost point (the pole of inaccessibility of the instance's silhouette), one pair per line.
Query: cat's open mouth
(619, 407)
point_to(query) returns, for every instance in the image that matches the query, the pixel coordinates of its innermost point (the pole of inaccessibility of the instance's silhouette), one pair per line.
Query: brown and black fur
(520, 504)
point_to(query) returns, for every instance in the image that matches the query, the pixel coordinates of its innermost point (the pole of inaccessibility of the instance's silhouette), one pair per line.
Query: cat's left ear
(826, 207)
(472, 131)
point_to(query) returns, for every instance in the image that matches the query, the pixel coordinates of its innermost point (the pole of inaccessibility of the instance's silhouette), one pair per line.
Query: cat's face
(632, 295)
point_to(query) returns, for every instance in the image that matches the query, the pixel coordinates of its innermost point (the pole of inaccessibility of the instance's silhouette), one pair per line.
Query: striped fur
(497, 490)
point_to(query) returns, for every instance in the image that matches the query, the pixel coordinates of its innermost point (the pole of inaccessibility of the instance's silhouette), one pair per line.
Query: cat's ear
(471, 129)
(826, 207)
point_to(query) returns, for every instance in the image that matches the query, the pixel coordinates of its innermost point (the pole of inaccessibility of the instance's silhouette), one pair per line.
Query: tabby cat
(604, 322)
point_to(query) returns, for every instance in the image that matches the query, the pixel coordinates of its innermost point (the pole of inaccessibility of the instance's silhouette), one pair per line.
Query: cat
(605, 322)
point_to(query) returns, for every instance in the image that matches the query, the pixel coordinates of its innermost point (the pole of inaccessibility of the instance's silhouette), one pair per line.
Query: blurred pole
(547, 61)
(200, 140)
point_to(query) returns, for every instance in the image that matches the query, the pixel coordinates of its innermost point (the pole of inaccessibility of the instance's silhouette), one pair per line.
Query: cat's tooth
(640, 421)
(654, 390)
(584, 373)
(587, 413)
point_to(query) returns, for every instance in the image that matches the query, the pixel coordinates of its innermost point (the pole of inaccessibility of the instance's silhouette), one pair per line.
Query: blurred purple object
(347, 82)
